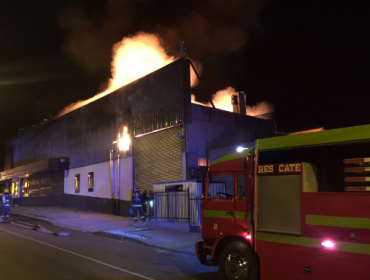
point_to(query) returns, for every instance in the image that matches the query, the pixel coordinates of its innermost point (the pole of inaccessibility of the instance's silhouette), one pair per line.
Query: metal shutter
(34, 186)
(58, 182)
(279, 203)
(45, 185)
(158, 157)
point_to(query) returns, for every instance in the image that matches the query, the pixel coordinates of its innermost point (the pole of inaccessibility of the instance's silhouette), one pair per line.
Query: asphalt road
(27, 254)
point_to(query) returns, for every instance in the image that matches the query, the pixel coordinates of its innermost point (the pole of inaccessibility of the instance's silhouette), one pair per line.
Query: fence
(176, 206)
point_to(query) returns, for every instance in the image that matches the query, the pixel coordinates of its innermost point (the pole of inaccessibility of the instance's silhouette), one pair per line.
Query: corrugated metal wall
(160, 99)
(212, 128)
(158, 157)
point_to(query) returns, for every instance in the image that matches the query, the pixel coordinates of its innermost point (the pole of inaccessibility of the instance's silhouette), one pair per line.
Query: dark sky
(309, 58)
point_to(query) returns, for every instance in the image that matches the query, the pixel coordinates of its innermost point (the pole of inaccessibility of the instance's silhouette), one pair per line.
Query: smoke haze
(208, 27)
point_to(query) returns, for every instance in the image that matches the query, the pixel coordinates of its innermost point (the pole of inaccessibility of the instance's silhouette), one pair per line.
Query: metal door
(241, 202)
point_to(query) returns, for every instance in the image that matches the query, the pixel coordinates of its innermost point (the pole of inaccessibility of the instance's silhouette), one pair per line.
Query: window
(14, 190)
(25, 188)
(241, 186)
(221, 187)
(90, 182)
(203, 161)
(77, 183)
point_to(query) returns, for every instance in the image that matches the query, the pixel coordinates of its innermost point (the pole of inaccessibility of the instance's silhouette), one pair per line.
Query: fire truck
(293, 207)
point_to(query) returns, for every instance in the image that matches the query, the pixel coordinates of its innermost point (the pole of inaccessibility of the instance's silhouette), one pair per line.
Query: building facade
(74, 160)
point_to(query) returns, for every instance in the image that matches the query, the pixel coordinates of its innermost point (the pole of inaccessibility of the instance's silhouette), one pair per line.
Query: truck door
(218, 207)
(241, 203)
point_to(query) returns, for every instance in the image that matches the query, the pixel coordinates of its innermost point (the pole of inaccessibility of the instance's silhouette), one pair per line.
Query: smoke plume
(222, 100)
(212, 26)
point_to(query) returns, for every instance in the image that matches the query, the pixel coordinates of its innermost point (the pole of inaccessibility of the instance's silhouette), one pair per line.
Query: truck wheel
(237, 261)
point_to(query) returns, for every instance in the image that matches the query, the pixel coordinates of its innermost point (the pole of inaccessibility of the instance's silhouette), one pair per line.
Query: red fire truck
(293, 207)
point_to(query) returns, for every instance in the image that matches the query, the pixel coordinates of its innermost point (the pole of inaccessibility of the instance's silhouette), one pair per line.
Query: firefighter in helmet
(6, 201)
(137, 204)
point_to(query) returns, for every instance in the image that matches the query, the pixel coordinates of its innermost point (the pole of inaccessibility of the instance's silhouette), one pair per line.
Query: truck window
(221, 187)
(241, 186)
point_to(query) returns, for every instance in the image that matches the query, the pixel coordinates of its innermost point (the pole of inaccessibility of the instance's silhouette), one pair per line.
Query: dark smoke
(207, 27)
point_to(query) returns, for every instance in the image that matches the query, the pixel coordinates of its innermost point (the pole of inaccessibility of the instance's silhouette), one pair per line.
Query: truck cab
(227, 207)
(294, 207)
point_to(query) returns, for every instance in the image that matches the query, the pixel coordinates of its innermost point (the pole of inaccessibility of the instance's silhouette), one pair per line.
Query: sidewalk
(113, 226)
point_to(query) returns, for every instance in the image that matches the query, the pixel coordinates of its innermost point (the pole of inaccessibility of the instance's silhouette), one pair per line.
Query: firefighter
(137, 205)
(6, 201)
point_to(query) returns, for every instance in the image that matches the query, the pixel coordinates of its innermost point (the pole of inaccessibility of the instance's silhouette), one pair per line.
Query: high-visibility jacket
(7, 199)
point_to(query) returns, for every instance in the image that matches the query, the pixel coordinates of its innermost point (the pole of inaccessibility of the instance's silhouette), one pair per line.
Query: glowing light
(248, 236)
(151, 203)
(327, 244)
(124, 140)
(241, 149)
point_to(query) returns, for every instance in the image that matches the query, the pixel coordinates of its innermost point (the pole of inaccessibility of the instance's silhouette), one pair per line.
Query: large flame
(124, 140)
(133, 57)
(222, 100)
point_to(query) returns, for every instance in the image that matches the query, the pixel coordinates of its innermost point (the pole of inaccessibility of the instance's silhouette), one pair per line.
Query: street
(29, 254)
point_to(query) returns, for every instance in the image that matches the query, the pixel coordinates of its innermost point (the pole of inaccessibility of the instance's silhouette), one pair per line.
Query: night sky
(310, 59)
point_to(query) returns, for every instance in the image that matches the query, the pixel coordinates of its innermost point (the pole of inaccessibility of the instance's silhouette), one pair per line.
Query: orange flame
(124, 140)
(222, 101)
(133, 58)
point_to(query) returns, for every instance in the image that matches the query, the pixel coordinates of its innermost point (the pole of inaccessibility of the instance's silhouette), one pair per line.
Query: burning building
(145, 132)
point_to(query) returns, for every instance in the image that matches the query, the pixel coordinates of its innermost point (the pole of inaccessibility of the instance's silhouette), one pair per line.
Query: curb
(133, 240)
(33, 218)
(112, 236)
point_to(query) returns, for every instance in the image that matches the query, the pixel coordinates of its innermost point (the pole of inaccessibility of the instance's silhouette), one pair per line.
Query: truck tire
(238, 261)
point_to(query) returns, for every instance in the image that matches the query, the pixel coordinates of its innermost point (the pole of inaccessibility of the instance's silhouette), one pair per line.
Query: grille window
(25, 188)
(90, 182)
(77, 183)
